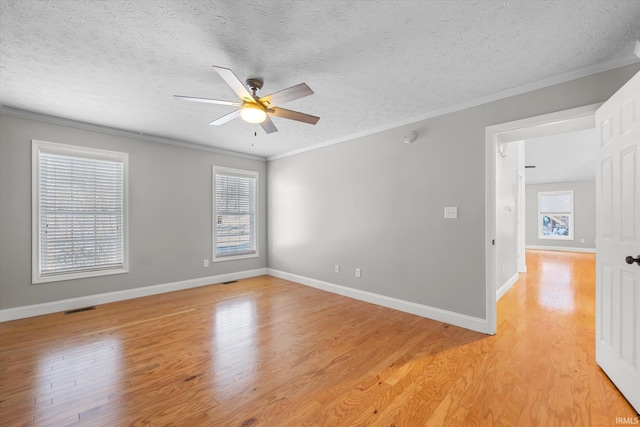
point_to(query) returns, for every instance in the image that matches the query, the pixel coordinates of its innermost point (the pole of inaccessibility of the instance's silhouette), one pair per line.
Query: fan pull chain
(255, 134)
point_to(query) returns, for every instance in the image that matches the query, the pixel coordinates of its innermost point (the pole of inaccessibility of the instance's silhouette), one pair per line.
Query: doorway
(498, 138)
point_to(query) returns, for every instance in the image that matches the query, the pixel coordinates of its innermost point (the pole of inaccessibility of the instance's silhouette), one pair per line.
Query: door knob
(631, 260)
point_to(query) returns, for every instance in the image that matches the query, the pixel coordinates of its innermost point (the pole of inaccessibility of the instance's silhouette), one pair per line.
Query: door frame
(574, 119)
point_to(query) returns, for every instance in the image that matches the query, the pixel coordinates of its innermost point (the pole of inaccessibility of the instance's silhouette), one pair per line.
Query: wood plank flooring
(268, 352)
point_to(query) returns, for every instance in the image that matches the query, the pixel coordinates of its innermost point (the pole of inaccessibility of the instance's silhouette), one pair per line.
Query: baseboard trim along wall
(89, 300)
(561, 248)
(506, 286)
(464, 321)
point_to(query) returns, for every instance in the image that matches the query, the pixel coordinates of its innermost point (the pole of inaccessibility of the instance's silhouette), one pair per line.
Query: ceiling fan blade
(294, 115)
(234, 83)
(268, 126)
(286, 95)
(208, 101)
(226, 118)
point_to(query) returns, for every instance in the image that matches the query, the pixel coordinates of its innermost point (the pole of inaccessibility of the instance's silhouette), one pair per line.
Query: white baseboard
(506, 286)
(90, 300)
(561, 248)
(462, 320)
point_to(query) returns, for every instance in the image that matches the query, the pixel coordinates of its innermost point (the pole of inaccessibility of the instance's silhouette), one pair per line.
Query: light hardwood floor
(267, 352)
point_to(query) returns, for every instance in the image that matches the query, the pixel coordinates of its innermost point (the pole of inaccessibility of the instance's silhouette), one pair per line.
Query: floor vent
(229, 282)
(80, 310)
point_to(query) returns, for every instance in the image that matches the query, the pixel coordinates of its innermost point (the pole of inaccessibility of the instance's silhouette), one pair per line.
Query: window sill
(37, 278)
(556, 238)
(234, 257)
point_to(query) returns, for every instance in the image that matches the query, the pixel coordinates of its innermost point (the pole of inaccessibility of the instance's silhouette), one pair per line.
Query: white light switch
(451, 212)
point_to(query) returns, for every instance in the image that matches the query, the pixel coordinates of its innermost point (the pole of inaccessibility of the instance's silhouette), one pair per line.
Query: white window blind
(80, 212)
(235, 213)
(560, 202)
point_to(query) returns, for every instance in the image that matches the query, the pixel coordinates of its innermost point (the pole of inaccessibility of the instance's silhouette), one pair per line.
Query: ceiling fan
(254, 109)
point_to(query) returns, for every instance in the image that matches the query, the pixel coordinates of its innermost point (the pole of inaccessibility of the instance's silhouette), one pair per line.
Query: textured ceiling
(564, 157)
(371, 64)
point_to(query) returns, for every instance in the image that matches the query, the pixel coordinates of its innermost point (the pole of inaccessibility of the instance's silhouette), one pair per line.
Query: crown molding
(629, 59)
(24, 114)
(632, 58)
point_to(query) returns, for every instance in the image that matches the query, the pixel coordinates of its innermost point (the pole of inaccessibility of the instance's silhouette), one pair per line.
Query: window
(235, 213)
(555, 215)
(79, 212)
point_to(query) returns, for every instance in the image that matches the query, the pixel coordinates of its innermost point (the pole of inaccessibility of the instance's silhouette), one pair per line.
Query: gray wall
(507, 169)
(170, 218)
(584, 205)
(374, 202)
(377, 203)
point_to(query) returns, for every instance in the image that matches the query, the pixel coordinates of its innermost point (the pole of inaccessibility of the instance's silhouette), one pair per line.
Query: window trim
(237, 172)
(37, 147)
(571, 216)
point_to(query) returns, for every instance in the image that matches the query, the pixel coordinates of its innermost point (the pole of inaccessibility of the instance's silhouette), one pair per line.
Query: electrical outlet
(337, 268)
(206, 263)
(581, 240)
(357, 272)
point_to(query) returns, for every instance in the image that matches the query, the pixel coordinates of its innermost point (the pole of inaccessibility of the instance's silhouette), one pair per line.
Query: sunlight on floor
(234, 335)
(67, 374)
(556, 290)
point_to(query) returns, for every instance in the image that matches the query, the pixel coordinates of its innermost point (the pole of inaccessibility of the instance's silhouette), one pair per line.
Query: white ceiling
(565, 157)
(372, 64)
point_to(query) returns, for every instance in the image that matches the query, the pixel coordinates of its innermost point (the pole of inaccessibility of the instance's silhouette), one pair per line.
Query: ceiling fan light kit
(252, 113)
(254, 109)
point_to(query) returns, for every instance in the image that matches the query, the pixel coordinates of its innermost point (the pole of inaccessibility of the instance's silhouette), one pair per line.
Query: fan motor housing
(255, 84)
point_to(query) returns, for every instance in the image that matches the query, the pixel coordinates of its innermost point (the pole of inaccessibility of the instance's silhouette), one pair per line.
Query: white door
(617, 237)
